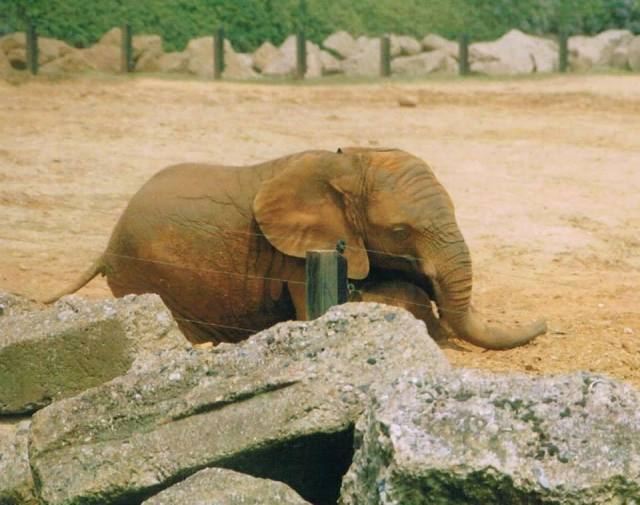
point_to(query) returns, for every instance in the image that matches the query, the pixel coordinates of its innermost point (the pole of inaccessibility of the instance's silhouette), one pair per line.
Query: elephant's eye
(401, 232)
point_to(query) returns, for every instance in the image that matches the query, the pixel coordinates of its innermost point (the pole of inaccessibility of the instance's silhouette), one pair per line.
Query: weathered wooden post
(563, 44)
(126, 55)
(301, 54)
(463, 54)
(385, 56)
(218, 53)
(32, 48)
(326, 281)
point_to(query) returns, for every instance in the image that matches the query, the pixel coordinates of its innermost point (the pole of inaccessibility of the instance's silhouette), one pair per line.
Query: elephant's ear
(304, 207)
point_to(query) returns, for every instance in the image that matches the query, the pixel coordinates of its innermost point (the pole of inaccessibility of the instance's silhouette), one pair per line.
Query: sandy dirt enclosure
(544, 173)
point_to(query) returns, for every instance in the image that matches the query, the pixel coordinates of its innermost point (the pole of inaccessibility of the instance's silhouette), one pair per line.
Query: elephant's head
(394, 215)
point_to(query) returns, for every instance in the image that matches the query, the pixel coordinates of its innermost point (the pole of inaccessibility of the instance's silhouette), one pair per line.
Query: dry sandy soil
(545, 175)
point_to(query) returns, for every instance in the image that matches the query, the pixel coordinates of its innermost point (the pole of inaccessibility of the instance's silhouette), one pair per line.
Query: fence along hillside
(213, 56)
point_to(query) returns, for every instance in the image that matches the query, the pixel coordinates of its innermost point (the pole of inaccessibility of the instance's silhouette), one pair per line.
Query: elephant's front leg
(298, 294)
(408, 296)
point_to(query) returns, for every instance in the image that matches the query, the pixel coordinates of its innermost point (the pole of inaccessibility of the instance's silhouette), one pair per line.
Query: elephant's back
(189, 235)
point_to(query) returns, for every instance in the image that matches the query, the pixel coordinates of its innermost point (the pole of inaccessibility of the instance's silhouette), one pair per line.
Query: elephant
(225, 247)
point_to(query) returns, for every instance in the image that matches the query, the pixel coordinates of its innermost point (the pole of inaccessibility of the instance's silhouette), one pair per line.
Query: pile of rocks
(340, 53)
(359, 406)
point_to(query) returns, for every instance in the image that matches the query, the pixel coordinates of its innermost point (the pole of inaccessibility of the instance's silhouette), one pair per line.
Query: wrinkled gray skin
(224, 246)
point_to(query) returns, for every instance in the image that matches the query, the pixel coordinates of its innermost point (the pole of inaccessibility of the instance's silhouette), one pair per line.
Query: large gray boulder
(174, 62)
(341, 43)
(424, 64)
(104, 57)
(5, 64)
(634, 54)
(201, 60)
(218, 486)
(265, 55)
(432, 42)
(49, 354)
(280, 405)
(472, 437)
(586, 53)
(146, 45)
(11, 41)
(75, 61)
(365, 62)
(514, 53)
(285, 64)
(16, 482)
(13, 305)
(111, 38)
(404, 45)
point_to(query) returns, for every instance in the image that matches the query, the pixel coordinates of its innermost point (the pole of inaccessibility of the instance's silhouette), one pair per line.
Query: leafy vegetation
(250, 22)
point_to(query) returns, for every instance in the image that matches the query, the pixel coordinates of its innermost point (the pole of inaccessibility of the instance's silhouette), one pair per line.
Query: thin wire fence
(396, 300)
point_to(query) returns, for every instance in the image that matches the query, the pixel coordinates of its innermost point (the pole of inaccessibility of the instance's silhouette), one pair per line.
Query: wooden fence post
(32, 49)
(385, 56)
(218, 53)
(326, 281)
(126, 55)
(463, 54)
(563, 63)
(301, 54)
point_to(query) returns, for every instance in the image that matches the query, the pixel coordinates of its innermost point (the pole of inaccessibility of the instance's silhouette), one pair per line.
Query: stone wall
(340, 53)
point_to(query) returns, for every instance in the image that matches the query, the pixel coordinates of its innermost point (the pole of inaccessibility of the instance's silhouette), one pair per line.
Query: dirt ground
(544, 172)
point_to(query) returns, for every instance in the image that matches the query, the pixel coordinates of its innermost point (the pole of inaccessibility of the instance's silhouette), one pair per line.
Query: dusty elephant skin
(224, 246)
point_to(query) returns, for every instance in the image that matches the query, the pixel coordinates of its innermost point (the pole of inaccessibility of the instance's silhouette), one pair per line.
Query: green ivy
(248, 23)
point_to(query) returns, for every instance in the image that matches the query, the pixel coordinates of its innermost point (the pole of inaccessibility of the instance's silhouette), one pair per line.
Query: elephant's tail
(98, 267)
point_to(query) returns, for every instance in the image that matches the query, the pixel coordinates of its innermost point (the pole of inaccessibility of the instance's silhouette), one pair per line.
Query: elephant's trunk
(453, 286)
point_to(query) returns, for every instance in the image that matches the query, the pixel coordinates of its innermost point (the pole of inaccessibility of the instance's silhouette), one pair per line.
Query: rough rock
(57, 352)
(112, 38)
(514, 53)
(407, 101)
(218, 486)
(620, 58)
(423, 64)
(366, 60)
(634, 54)
(75, 61)
(404, 45)
(104, 57)
(13, 305)
(433, 42)
(17, 58)
(148, 62)
(473, 437)
(341, 43)
(174, 62)
(586, 53)
(610, 40)
(330, 64)
(201, 60)
(5, 68)
(286, 64)
(146, 45)
(280, 405)
(264, 55)
(11, 41)
(51, 49)
(16, 481)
